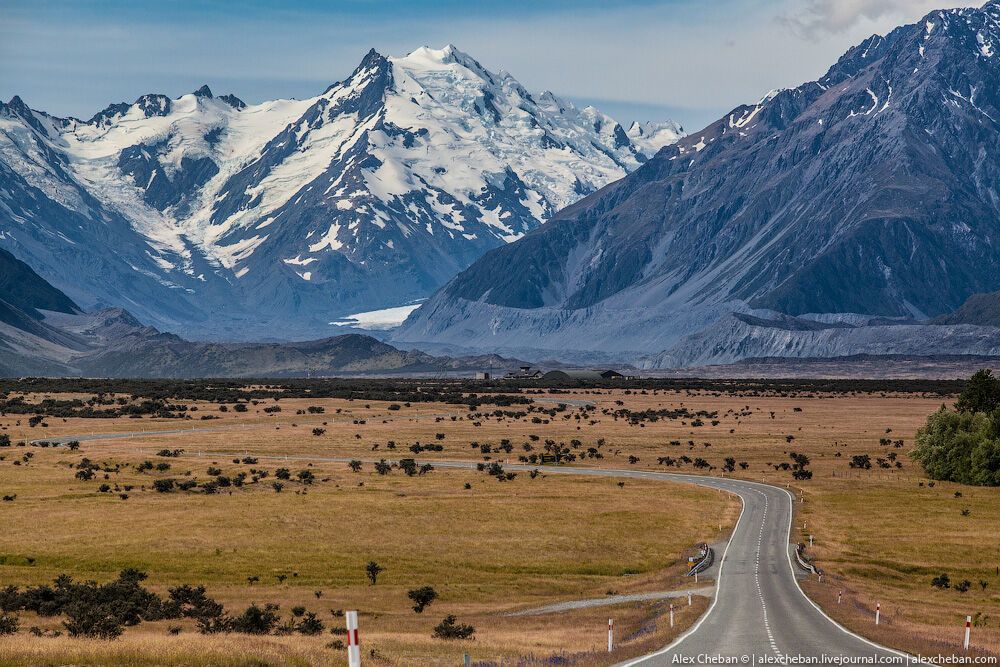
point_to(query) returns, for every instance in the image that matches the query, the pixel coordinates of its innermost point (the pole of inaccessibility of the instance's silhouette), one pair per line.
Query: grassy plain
(880, 535)
(488, 549)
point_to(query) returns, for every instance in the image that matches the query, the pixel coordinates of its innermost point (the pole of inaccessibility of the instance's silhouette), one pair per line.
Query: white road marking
(756, 575)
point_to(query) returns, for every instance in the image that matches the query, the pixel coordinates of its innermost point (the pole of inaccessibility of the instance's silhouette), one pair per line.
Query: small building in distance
(483, 375)
(524, 373)
(582, 376)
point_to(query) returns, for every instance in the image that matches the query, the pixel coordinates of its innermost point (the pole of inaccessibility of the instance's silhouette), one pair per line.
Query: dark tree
(422, 597)
(981, 393)
(372, 570)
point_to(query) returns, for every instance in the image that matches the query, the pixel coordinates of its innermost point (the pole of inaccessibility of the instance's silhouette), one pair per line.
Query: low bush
(450, 628)
(9, 623)
(255, 620)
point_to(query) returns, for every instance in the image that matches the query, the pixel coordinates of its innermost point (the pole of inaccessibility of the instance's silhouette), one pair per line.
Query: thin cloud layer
(817, 17)
(640, 59)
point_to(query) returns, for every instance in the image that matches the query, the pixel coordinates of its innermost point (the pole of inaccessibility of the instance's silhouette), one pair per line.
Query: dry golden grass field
(880, 535)
(488, 549)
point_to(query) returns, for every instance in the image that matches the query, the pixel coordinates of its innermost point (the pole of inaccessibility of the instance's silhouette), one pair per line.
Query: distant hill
(28, 345)
(24, 290)
(42, 332)
(979, 309)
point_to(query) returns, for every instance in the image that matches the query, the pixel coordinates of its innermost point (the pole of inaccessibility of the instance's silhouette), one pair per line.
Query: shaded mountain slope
(978, 309)
(42, 332)
(23, 289)
(872, 190)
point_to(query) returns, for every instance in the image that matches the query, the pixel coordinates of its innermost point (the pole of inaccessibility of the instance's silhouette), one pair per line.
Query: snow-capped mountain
(871, 191)
(650, 137)
(208, 216)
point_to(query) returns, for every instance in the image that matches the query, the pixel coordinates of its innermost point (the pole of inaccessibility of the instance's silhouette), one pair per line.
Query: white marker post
(840, 596)
(968, 631)
(353, 645)
(611, 635)
(671, 615)
(878, 612)
(810, 540)
(689, 598)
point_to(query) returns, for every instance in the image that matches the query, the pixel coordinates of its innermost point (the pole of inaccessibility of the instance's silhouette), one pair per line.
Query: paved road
(758, 611)
(612, 600)
(127, 435)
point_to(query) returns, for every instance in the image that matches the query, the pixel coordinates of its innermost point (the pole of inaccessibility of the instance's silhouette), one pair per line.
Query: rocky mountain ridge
(871, 192)
(207, 216)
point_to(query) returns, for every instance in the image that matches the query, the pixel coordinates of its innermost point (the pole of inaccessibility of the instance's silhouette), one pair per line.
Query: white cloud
(813, 17)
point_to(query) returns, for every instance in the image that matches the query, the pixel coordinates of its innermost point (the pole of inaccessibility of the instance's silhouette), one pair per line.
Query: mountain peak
(427, 161)
(448, 53)
(751, 214)
(427, 58)
(370, 66)
(233, 101)
(371, 58)
(19, 107)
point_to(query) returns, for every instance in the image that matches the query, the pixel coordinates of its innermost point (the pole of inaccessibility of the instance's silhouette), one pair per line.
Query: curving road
(759, 613)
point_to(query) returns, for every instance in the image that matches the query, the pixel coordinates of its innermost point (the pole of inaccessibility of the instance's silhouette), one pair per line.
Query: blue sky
(691, 60)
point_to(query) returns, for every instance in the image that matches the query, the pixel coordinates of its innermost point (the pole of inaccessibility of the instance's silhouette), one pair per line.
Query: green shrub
(961, 447)
(255, 620)
(449, 628)
(96, 621)
(163, 485)
(9, 624)
(309, 625)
